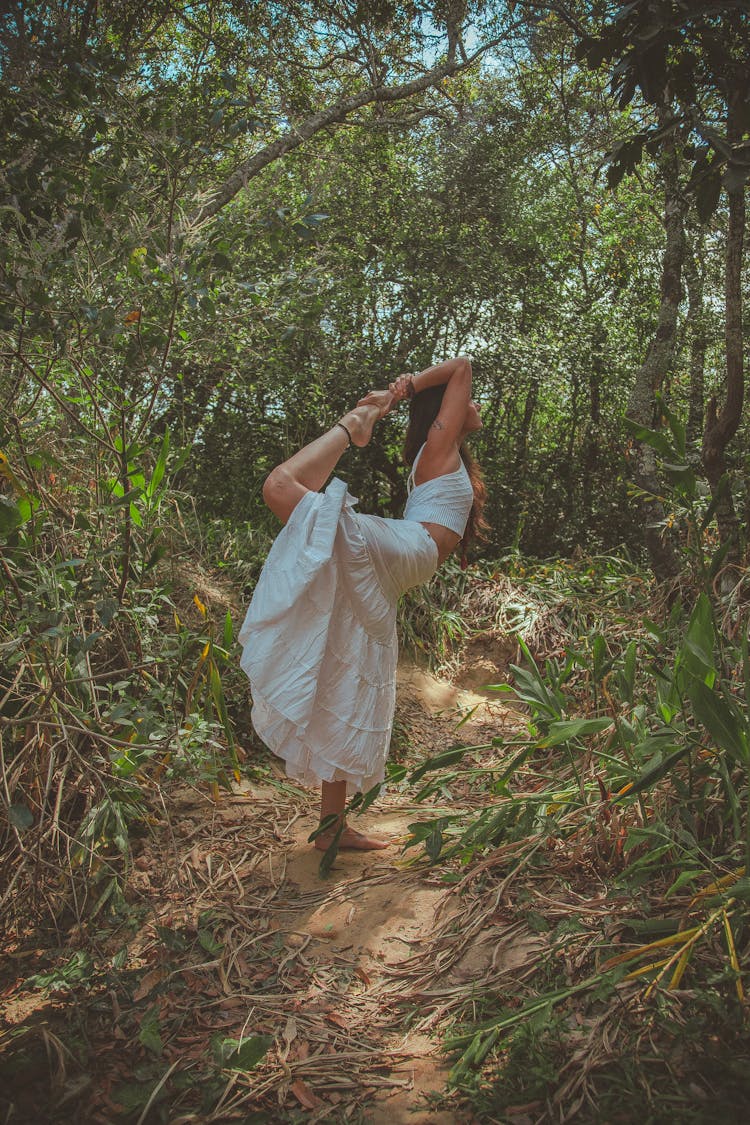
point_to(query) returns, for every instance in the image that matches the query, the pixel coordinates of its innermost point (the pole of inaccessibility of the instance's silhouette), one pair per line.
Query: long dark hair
(423, 410)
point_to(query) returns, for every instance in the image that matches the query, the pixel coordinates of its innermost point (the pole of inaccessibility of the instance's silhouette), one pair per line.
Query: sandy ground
(338, 971)
(375, 910)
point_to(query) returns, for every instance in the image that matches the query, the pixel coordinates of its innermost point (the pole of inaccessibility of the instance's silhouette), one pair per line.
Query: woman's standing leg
(333, 803)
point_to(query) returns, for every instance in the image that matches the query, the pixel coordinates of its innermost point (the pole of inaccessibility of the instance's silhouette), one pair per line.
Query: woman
(319, 638)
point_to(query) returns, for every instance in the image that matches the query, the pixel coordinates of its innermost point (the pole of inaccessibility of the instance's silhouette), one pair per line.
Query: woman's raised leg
(310, 468)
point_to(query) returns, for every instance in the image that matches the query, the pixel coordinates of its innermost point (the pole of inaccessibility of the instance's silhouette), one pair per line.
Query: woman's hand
(384, 400)
(399, 388)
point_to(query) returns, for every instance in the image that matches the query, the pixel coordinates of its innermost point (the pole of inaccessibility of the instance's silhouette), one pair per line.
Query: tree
(693, 60)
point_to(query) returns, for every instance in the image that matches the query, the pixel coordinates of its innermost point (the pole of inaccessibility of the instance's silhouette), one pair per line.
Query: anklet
(346, 431)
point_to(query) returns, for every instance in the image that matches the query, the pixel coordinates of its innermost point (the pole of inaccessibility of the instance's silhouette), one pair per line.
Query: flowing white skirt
(319, 638)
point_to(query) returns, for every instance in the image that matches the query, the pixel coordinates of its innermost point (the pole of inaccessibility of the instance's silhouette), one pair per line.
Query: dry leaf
(304, 1094)
(233, 1002)
(290, 1031)
(148, 984)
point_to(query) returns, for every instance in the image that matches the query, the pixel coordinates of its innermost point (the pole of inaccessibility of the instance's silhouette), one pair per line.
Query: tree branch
(331, 115)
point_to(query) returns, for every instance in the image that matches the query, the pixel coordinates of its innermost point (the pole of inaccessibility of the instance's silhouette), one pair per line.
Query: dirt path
(376, 913)
(229, 935)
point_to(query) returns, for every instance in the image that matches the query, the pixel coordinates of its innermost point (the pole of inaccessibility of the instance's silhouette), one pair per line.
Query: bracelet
(411, 390)
(346, 431)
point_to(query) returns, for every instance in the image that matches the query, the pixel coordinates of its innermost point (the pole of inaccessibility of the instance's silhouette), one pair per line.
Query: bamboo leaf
(446, 758)
(159, 467)
(720, 718)
(150, 1034)
(652, 775)
(573, 728)
(240, 1054)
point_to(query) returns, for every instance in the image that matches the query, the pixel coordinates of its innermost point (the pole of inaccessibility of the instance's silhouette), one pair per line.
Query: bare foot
(354, 841)
(360, 421)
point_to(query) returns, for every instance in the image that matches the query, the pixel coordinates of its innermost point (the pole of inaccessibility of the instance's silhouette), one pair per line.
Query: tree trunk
(520, 455)
(694, 276)
(655, 367)
(721, 425)
(591, 449)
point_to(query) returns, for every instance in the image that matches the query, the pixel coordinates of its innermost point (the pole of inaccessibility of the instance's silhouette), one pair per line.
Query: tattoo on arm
(436, 425)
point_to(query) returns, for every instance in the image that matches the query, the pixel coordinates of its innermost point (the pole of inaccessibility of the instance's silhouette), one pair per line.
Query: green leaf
(228, 632)
(20, 816)
(700, 640)
(434, 844)
(446, 758)
(531, 687)
(77, 970)
(683, 878)
(650, 776)
(27, 505)
(209, 942)
(240, 1054)
(655, 438)
(127, 498)
(10, 516)
(217, 694)
(370, 796)
(574, 728)
(721, 719)
(627, 678)
(150, 1034)
(422, 830)
(133, 1096)
(329, 855)
(159, 467)
(681, 477)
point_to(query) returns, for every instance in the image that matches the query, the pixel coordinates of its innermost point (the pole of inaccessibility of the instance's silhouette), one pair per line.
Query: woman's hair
(423, 410)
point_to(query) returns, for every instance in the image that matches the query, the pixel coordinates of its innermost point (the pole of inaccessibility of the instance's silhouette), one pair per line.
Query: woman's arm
(455, 371)
(445, 432)
(455, 375)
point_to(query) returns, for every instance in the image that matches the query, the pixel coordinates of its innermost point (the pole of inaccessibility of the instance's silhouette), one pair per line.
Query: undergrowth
(610, 833)
(630, 789)
(113, 672)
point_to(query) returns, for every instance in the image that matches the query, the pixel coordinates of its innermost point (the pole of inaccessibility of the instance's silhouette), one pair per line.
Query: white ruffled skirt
(319, 638)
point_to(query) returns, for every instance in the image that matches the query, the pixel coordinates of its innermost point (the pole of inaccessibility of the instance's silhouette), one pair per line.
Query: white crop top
(445, 500)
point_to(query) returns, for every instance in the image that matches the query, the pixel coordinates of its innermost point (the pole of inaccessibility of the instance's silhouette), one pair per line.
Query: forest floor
(239, 981)
(225, 979)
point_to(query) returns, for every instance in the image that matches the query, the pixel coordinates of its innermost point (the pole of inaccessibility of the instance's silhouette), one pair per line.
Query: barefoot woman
(319, 638)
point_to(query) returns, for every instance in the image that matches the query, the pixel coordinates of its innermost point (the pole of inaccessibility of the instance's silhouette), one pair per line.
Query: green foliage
(659, 723)
(429, 617)
(176, 316)
(78, 970)
(695, 1082)
(658, 781)
(679, 57)
(98, 667)
(240, 1054)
